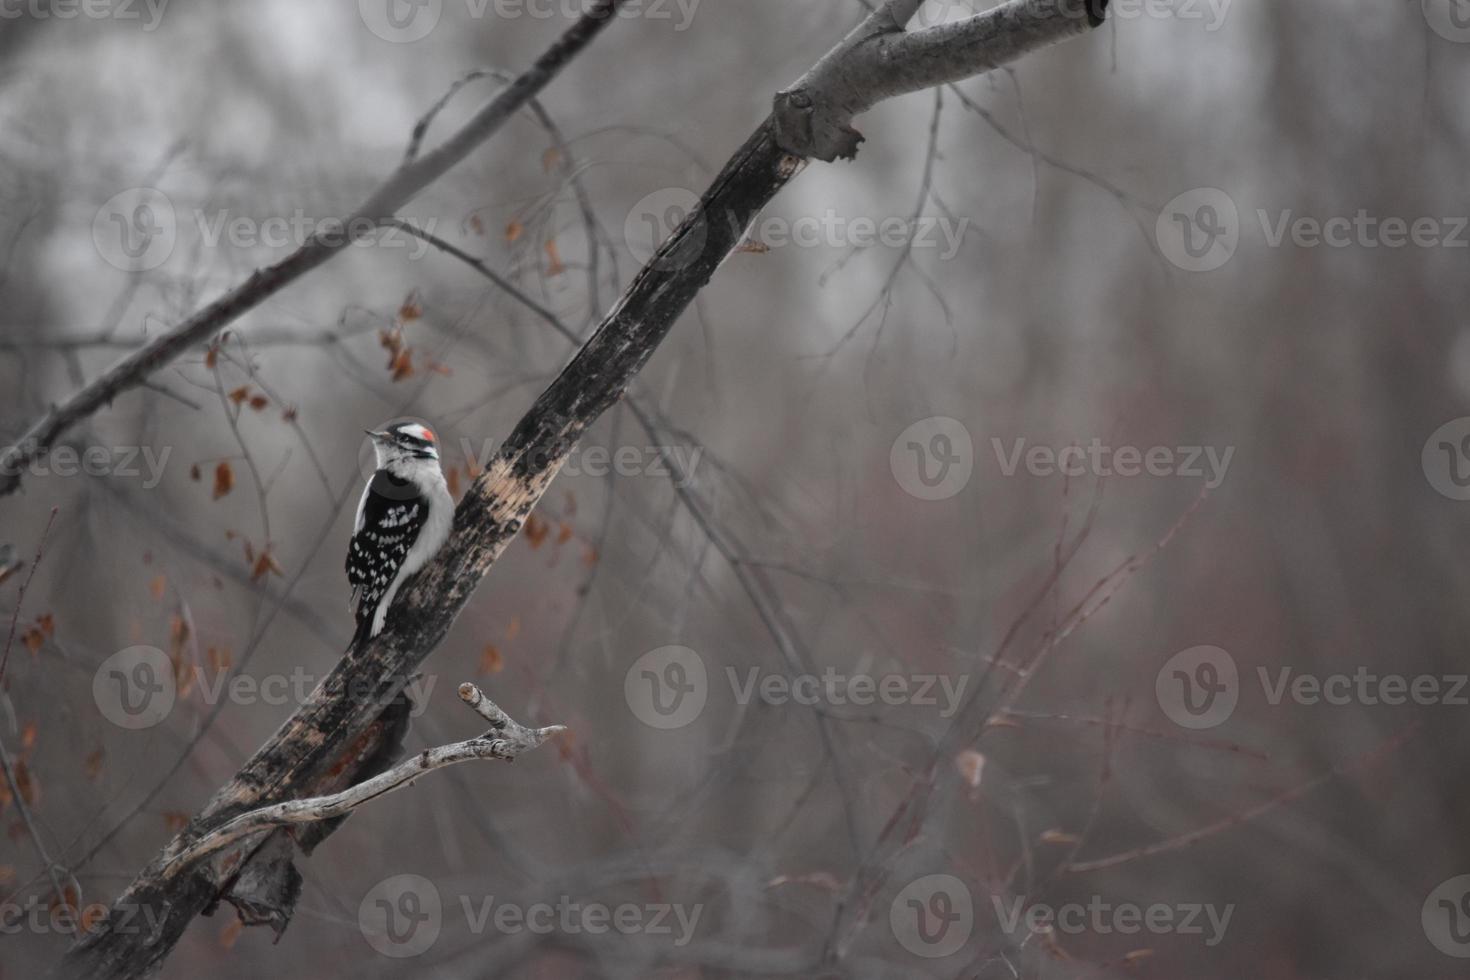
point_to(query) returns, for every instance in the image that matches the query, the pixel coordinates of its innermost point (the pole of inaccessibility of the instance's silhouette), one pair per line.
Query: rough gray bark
(321, 748)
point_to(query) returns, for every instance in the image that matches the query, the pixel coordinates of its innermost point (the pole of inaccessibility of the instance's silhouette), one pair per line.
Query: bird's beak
(377, 436)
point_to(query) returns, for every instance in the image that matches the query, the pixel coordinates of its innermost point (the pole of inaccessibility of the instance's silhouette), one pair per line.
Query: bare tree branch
(507, 739)
(338, 729)
(403, 186)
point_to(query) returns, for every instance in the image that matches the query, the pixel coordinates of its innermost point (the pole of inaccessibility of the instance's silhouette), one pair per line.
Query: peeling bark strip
(342, 716)
(403, 186)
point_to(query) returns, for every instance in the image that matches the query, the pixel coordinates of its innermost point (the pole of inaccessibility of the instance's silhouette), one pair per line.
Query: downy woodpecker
(402, 520)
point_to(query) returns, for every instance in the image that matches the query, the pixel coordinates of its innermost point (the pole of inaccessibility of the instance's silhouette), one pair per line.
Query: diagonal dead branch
(403, 186)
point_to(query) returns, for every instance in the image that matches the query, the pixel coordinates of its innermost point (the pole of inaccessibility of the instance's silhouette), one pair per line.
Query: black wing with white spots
(389, 520)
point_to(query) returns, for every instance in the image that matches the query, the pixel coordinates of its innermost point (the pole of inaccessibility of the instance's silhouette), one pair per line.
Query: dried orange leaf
(158, 586)
(514, 230)
(536, 531)
(259, 402)
(491, 662)
(175, 820)
(554, 265)
(240, 394)
(93, 764)
(1059, 837)
(224, 480)
(230, 933)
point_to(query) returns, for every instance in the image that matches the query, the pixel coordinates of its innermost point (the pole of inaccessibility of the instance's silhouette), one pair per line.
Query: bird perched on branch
(402, 521)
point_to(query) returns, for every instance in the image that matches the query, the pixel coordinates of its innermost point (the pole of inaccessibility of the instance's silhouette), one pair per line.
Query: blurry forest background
(1061, 318)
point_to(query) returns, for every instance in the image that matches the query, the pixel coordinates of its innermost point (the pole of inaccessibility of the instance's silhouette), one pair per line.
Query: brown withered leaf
(1137, 956)
(513, 630)
(28, 736)
(564, 534)
(219, 658)
(224, 480)
(26, 782)
(1059, 837)
(33, 639)
(195, 474)
(259, 402)
(92, 765)
(402, 366)
(158, 587)
(92, 916)
(514, 231)
(240, 394)
(266, 564)
(535, 531)
(411, 309)
(554, 266)
(231, 932)
(46, 623)
(289, 415)
(590, 556)
(752, 247)
(491, 662)
(7, 874)
(175, 820)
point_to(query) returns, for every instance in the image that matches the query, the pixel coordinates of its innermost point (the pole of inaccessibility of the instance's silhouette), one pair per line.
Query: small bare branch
(506, 740)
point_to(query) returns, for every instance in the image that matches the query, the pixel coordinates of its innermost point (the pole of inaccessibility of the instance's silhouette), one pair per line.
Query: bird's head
(404, 442)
